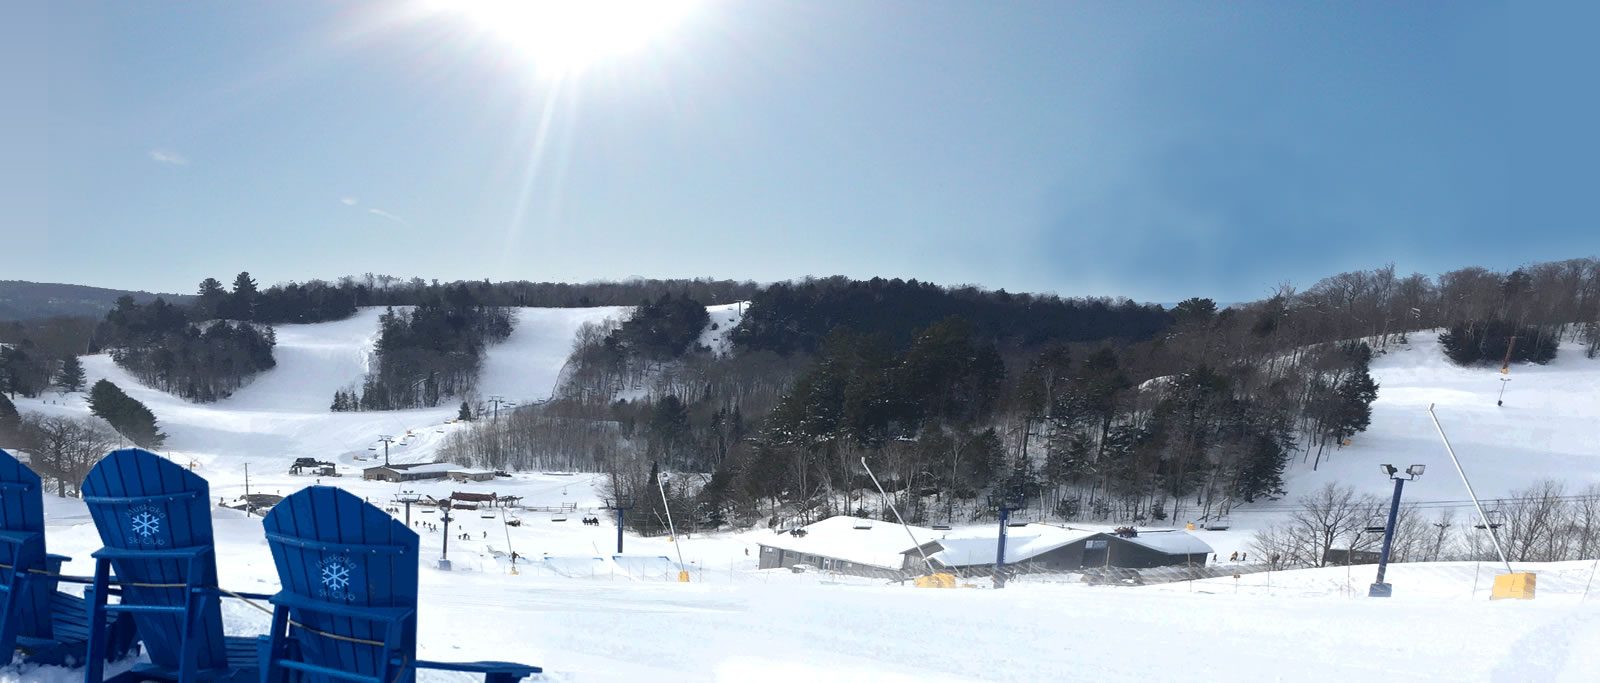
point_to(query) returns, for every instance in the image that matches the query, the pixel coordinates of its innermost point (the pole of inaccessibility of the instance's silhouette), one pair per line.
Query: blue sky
(1152, 150)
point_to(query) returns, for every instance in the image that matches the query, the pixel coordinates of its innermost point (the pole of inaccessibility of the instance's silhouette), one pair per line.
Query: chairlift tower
(386, 439)
(408, 498)
(497, 401)
(621, 506)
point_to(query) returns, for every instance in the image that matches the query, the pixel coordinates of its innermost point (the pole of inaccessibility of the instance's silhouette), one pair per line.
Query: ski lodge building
(1048, 548)
(843, 544)
(413, 472)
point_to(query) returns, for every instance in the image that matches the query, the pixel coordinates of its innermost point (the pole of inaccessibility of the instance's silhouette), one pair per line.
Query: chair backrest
(333, 548)
(152, 511)
(21, 549)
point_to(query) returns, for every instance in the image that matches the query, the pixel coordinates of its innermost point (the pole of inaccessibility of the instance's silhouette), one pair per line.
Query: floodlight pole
(444, 557)
(1479, 506)
(1379, 589)
(1000, 548)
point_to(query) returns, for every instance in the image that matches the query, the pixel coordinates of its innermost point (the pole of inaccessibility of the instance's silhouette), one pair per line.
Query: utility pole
(247, 489)
(386, 439)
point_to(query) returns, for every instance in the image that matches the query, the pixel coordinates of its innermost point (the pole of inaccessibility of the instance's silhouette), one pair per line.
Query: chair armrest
(481, 667)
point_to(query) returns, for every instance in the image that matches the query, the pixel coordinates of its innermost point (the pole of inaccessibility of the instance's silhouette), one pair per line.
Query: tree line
(174, 349)
(427, 354)
(958, 398)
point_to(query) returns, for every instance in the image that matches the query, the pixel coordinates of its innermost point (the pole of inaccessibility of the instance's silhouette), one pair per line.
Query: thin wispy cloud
(385, 214)
(348, 201)
(167, 156)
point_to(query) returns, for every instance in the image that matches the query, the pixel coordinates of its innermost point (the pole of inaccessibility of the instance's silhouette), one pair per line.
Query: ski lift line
(1452, 451)
(896, 511)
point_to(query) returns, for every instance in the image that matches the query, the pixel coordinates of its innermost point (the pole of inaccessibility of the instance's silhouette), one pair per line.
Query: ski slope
(589, 614)
(1549, 428)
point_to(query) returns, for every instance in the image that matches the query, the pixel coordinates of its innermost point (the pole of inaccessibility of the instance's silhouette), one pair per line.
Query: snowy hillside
(1549, 426)
(588, 614)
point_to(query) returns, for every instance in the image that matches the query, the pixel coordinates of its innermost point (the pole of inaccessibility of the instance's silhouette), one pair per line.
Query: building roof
(474, 497)
(853, 539)
(1171, 542)
(970, 547)
(418, 468)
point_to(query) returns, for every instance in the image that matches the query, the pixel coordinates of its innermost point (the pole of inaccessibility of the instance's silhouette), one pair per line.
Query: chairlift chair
(487, 515)
(1376, 525)
(1496, 519)
(558, 517)
(941, 527)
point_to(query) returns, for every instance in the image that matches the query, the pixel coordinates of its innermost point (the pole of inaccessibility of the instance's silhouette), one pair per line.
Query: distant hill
(21, 300)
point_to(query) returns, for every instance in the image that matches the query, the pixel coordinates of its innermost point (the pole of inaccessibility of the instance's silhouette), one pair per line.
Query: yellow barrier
(940, 580)
(1518, 586)
(683, 576)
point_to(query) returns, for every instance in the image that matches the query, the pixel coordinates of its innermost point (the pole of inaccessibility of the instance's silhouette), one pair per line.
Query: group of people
(591, 521)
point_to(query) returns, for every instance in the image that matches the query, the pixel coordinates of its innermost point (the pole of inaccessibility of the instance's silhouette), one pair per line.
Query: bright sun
(562, 36)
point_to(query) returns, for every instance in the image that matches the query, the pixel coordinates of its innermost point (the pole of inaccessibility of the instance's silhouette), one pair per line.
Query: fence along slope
(49, 626)
(349, 598)
(154, 518)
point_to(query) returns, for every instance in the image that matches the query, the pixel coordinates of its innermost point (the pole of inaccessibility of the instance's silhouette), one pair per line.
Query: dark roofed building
(412, 472)
(1044, 548)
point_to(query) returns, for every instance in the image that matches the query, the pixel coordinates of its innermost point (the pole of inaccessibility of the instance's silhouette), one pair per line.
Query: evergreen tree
(10, 422)
(242, 302)
(126, 414)
(70, 376)
(211, 299)
(465, 414)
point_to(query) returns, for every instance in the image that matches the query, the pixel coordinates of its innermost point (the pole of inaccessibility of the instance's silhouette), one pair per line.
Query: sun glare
(561, 36)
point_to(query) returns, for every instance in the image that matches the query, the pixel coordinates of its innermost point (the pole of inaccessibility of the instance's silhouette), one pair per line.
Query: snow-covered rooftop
(853, 539)
(1171, 542)
(977, 546)
(428, 468)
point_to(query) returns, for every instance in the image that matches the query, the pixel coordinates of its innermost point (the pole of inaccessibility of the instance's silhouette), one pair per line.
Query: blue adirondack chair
(46, 625)
(348, 608)
(154, 518)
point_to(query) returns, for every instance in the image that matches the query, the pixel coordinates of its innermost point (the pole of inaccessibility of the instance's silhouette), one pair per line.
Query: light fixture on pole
(1379, 589)
(1004, 504)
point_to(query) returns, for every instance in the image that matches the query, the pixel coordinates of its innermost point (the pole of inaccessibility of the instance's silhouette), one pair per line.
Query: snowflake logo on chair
(338, 577)
(146, 526)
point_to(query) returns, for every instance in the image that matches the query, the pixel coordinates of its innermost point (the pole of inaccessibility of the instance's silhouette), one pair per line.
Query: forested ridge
(1081, 409)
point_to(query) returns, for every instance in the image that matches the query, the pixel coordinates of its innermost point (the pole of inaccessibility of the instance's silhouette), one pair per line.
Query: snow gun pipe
(1485, 518)
(886, 501)
(670, 526)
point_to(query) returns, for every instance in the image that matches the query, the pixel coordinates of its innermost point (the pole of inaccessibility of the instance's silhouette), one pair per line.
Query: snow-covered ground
(588, 616)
